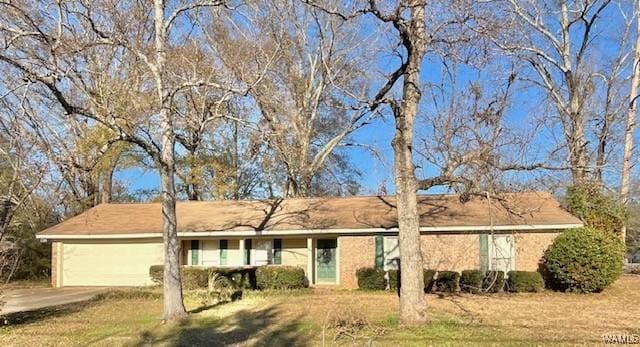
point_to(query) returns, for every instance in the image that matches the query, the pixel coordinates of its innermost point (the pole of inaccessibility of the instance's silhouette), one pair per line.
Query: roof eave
(310, 232)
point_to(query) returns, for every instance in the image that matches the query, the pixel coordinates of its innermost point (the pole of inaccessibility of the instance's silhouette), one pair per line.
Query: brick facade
(455, 252)
(355, 252)
(451, 252)
(530, 249)
(56, 256)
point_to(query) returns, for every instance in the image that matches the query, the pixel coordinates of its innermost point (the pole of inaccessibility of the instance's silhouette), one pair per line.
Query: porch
(318, 256)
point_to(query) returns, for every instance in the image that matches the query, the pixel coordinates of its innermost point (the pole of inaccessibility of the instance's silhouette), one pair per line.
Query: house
(634, 258)
(330, 238)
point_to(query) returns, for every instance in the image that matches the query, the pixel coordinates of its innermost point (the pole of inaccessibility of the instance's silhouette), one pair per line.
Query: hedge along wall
(455, 252)
(197, 277)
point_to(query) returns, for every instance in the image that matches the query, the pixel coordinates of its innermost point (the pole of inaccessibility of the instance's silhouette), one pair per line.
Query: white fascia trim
(245, 233)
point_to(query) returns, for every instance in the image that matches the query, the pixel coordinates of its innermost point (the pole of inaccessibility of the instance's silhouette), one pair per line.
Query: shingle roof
(360, 212)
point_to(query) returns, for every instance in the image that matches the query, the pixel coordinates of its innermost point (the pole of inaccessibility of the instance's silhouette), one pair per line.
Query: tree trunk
(631, 123)
(107, 186)
(412, 300)
(173, 301)
(576, 142)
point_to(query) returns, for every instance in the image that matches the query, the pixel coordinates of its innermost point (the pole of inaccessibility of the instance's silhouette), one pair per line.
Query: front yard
(340, 317)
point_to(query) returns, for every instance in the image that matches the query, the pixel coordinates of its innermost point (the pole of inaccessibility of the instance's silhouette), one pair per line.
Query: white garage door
(109, 264)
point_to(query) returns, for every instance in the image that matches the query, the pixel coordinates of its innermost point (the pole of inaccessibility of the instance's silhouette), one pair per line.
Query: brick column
(56, 264)
(310, 261)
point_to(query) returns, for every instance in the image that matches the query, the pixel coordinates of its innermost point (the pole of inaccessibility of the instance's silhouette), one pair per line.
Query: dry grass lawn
(339, 317)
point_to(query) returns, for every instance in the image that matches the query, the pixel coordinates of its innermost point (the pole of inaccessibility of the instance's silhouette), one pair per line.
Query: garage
(108, 264)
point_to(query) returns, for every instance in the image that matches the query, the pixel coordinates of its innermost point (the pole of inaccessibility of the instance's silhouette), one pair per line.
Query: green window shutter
(195, 252)
(484, 252)
(277, 251)
(247, 252)
(379, 252)
(224, 245)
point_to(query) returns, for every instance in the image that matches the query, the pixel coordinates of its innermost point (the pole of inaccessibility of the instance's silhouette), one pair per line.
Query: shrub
(429, 281)
(598, 209)
(394, 279)
(493, 281)
(280, 277)
(471, 281)
(447, 281)
(195, 277)
(371, 279)
(156, 272)
(584, 260)
(198, 277)
(524, 281)
(239, 278)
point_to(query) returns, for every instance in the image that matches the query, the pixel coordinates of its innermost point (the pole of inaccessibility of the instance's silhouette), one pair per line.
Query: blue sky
(527, 103)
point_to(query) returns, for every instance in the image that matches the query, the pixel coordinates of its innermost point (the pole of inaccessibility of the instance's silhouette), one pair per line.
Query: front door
(326, 260)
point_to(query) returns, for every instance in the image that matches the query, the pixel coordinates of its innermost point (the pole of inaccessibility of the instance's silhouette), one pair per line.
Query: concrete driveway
(20, 300)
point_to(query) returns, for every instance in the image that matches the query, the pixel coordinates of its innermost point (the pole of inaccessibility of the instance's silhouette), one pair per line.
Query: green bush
(524, 281)
(471, 281)
(192, 277)
(239, 278)
(198, 277)
(280, 277)
(493, 281)
(597, 208)
(371, 279)
(447, 281)
(429, 281)
(195, 277)
(156, 272)
(584, 260)
(394, 279)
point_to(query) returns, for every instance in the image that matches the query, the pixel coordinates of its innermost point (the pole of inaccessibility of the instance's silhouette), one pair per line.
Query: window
(497, 252)
(224, 246)
(379, 252)
(387, 255)
(195, 252)
(247, 252)
(277, 251)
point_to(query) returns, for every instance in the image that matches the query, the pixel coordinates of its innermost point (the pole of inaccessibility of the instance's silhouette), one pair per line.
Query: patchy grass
(314, 317)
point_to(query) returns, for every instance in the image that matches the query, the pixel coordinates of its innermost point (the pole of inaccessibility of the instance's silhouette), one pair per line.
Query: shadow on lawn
(261, 328)
(26, 317)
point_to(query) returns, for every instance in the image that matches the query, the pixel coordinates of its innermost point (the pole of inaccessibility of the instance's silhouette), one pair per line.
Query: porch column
(310, 276)
(242, 255)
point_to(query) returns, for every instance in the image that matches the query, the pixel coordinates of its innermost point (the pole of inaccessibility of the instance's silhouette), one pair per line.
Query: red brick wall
(530, 248)
(54, 263)
(455, 252)
(451, 252)
(355, 252)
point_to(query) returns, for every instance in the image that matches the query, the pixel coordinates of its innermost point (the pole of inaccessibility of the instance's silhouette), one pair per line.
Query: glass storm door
(326, 260)
(502, 249)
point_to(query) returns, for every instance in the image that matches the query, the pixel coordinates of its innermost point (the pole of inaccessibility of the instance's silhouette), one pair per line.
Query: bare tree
(409, 21)
(68, 54)
(560, 60)
(631, 120)
(308, 98)
(20, 175)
